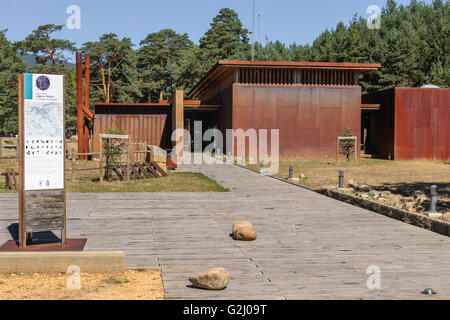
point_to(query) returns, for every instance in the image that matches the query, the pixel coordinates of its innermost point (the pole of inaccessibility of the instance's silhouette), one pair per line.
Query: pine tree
(160, 62)
(10, 66)
(46, 48)
(113, 69)
(226, 39)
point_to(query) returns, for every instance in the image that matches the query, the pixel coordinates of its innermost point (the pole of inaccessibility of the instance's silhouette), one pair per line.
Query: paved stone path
(308, 247)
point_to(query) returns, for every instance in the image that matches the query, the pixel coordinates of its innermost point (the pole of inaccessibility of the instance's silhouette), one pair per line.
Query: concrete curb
(49, 262)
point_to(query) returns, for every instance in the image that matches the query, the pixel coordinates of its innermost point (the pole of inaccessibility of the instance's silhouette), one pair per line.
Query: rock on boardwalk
(240, 224)
(211, 279)
(245, 234)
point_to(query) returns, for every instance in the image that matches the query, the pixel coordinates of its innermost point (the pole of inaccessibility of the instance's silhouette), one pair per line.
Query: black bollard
(262, 164)
(341, 179)
(434, 195)
(291, 171)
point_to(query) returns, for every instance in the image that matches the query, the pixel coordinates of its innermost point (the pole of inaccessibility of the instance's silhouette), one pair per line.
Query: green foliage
(113, 70)
(162, 61)
(49, 49)
(10, 66)
(347, 146)
(226, 39)
(112, 151)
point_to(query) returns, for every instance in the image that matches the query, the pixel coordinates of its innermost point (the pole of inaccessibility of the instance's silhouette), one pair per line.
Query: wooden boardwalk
(308, 246)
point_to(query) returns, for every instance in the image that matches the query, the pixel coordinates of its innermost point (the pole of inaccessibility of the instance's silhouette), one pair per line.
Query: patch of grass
(88, 181)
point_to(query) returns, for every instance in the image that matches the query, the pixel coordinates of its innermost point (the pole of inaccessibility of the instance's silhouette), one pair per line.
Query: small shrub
(112, 151)
(347, 146)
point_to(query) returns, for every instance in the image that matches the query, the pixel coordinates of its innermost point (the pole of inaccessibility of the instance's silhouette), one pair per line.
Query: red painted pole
(79, 80)
(86, 100)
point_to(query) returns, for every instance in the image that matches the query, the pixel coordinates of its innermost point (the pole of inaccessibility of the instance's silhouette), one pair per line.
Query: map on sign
(43, 117)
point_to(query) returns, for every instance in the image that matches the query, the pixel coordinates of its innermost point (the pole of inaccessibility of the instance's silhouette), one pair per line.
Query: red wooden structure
(145, 122)
(411, 123)
(83, 112)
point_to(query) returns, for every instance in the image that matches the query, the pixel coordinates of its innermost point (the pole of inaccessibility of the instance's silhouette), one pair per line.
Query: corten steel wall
(143, 123)
(384, 121)
(421, 125)
(310, 118)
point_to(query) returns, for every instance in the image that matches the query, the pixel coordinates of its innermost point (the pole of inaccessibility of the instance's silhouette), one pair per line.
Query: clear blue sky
(299, 21)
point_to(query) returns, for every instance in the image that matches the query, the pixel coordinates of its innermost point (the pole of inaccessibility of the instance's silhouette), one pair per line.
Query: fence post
(1, 146)
(100, 157)
(433, 213)
(128, 161)
(73, 164)
(341, 179)
(17, 146)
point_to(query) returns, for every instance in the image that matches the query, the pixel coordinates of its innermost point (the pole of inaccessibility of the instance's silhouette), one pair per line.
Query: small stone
(446, 216)
(211, 279)
(245, 234)
(409, 206)
(302, 176)
(351, 183)
(365, 188)
(240, 224)
(295, 179)
(386, 194)
(419, 196)
(374, 194)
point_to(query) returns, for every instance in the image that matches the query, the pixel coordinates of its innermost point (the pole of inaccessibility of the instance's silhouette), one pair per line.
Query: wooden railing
(272, 76)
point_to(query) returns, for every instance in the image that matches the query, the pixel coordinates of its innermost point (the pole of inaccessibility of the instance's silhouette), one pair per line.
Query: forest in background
(412, 45)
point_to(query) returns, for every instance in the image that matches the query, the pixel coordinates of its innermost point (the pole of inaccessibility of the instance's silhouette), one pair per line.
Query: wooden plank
(143, 171)
(119, 173)
(159, 169)
(44, 210)
(136, 172)
(152, 171)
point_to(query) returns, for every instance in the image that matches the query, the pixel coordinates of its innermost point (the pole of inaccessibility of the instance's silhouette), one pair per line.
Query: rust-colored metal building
(147, 122)
(309, 102)
(409, 123)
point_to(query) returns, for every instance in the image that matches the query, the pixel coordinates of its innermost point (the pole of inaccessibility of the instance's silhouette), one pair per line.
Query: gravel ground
(128, 285)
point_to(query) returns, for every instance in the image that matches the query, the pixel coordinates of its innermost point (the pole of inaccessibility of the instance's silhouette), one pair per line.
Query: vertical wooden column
(80, 125)
(178, 122)
(100, 157)
(22, 240)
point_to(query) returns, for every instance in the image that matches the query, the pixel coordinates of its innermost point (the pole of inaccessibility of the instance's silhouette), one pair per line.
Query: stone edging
(415, 219)
(412, 218)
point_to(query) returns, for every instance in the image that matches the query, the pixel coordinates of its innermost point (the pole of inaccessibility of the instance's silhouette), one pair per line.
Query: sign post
(42, 196)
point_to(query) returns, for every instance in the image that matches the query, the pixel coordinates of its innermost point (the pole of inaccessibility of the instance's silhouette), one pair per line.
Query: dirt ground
(128, 285)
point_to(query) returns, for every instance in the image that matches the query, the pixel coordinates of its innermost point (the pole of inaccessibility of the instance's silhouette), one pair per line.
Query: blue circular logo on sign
(43, 83)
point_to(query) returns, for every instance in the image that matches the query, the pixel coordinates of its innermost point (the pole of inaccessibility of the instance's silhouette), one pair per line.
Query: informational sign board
(42, 153)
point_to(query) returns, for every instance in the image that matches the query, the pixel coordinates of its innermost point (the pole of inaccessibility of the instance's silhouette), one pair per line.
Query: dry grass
(399, 177)
(88, 181)
(128, 285)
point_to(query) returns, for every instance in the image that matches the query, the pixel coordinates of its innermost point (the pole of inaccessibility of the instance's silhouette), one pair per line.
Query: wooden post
(1, 146)
(337, 150)
(100, 156)
(128, 161)
(73, 165)
(22, 240)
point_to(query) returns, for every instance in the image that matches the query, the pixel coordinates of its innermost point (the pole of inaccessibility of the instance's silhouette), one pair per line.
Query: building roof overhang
(221, 67)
